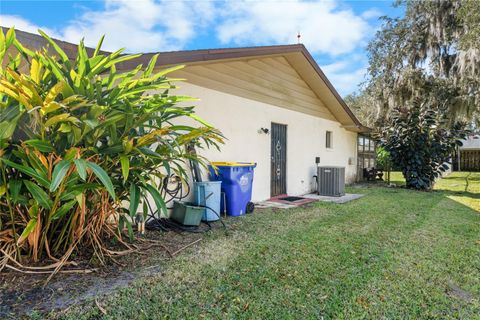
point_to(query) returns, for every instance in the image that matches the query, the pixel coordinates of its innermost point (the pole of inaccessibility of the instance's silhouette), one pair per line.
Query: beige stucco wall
(240, 119)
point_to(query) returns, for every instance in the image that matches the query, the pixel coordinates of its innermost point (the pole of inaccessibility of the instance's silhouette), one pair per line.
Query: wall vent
(331, 181)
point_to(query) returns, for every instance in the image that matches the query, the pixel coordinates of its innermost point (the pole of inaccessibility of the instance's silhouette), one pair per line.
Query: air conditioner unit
(331, 181)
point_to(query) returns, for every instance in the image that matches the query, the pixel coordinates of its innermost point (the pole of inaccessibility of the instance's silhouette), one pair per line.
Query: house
(274, 105)
(467, 157)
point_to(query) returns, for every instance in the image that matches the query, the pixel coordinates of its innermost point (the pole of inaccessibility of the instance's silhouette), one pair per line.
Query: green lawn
(393, 254)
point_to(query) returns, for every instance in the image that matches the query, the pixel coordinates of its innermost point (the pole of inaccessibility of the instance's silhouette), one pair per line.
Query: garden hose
(154, 222)
(176, 193)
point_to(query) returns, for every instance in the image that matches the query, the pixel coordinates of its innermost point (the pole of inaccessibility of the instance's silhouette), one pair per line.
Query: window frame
(329, 139)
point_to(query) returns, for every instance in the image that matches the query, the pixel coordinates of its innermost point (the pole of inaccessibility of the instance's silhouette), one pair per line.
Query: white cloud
(138, 26)
(324, 26)
(20, 23)
(346, 75)
(372, 14)
(141, 25)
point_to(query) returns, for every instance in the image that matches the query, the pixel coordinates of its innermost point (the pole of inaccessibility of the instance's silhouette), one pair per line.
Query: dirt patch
(23, 294)
(457, 292)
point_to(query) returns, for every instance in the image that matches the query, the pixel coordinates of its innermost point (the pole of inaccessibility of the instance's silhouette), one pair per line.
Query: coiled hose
(169, 193)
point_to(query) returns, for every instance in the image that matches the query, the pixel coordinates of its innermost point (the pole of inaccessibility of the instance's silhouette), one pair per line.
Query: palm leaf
(99, 45)
(63, 209)
(157, 198)
(103, 177)
(58, 174)
(14, 187)
(42, 179)
(81, 166)
(28, 229)
(41, 145)
(57, 49)
(125, 163)
(134, 200)
(39, 194)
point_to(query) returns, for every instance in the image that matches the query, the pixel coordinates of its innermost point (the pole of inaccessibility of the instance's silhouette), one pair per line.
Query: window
(366, 162)
(361, 141)
(365, 144)
(328, 140)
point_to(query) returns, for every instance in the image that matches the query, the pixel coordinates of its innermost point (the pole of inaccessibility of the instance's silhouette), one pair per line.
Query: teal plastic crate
(187, 213)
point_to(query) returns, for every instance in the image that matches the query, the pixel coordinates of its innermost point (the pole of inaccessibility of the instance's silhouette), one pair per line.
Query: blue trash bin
(237, 181)
(207, 194)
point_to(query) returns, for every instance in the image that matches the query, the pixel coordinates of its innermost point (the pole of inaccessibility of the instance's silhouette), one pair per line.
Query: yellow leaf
(195, 133)
(56, 119)
(6, 89)
(41, 157)
(150, 137)
(25, 87)
(73, 74)
(28, 229)
(54, 92)
(127, 145)
(36, 71)
(26, 91)
(52, 106)
(71, 99)
(80, 200)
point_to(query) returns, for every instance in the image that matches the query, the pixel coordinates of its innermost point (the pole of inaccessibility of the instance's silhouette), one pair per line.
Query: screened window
(366, 162)
(366, 154)
(361, 141)
(365, 144)
(328, 140)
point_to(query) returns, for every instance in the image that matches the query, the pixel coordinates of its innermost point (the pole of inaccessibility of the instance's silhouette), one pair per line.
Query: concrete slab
(313, 196)
(343, 199)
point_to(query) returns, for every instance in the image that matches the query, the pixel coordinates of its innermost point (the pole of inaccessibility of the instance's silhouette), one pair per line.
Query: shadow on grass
(470, 177)
(473, 195)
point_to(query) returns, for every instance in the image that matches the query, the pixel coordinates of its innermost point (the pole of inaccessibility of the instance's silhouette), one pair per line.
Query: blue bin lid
(233, 164)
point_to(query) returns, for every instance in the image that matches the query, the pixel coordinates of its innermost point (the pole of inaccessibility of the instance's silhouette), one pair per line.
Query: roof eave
(212, 55)
(317, 68)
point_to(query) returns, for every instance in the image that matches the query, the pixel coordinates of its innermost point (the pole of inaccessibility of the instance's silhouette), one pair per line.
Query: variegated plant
(78, 140)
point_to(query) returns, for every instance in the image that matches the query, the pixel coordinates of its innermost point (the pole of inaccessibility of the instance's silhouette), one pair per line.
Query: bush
(383, 158)
(420, 141)
(78, 141)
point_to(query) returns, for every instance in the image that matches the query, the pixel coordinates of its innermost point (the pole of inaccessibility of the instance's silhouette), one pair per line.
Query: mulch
(21, 294)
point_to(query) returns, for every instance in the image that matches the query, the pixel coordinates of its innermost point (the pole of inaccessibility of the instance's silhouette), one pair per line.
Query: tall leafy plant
(83, 145)
(419, 143)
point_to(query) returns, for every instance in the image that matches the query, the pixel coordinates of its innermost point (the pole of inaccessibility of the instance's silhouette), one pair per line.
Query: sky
(336, 32)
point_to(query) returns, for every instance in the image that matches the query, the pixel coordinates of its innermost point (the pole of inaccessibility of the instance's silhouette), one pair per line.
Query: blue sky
(336, 32)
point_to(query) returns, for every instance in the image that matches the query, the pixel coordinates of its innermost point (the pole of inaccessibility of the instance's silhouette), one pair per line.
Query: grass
(393, 254)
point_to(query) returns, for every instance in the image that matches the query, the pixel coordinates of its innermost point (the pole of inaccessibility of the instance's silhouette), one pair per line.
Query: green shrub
(78, 141)
(383, 158)
(420, 142)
